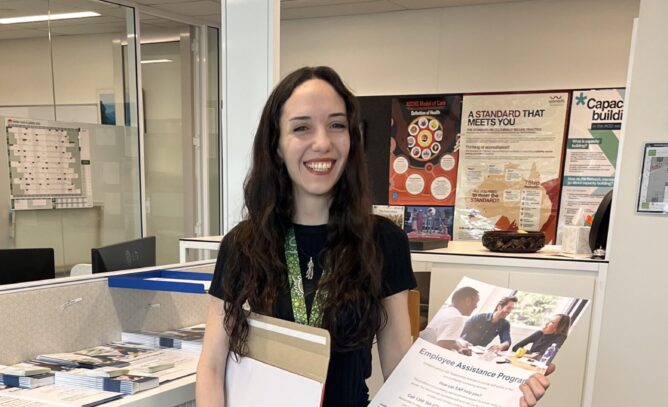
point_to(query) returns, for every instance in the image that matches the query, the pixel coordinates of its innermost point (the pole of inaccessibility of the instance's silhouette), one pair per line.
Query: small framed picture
(653, 194)
(107, 106)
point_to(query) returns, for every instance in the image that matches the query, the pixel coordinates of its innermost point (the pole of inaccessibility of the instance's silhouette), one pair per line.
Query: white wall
(514, 46)
(632, 358)
(25, 72)
(83, 64)
(249, 40)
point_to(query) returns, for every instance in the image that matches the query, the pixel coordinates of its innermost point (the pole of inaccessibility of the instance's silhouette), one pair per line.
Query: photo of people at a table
(504, 325)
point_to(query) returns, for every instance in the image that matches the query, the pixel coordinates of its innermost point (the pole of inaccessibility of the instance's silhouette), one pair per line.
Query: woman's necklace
(310, 266)
(297, 296)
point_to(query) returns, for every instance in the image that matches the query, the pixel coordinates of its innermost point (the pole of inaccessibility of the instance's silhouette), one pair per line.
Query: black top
(345, 385)
(540, 342)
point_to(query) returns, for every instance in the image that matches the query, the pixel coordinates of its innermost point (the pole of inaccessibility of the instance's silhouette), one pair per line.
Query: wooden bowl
(513, 242)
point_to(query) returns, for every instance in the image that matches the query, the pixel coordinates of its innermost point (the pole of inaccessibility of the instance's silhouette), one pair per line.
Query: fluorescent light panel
(46, 17)
(155, 61)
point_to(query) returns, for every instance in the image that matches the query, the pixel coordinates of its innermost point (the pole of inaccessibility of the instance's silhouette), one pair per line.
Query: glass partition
(26, 87)
(213, 112)
(179, 73)
(80, 73)
(76, 73)
(166, 69)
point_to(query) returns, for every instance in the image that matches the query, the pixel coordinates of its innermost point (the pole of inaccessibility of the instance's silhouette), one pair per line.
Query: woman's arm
(395, 338)
(210, 386)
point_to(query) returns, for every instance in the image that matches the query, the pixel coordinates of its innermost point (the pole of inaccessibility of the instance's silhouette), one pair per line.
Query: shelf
(164, 280)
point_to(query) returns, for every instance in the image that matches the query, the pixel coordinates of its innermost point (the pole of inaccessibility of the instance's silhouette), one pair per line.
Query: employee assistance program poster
(591, 151)
(423, 157)
(510, 160)
(461, 359)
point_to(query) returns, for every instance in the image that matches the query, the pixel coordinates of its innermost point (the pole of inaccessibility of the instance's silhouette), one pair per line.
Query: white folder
(286, 366)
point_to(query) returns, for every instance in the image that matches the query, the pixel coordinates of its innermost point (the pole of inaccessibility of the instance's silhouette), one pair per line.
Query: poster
(107, 104)
(393, 213)
(444, 369)
(591, 151)
(510, 161)
(653, 196)
(428, 221)
(423, 156)
(49, 165)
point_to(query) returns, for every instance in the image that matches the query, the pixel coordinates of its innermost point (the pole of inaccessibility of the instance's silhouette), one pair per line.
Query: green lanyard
(297, 285)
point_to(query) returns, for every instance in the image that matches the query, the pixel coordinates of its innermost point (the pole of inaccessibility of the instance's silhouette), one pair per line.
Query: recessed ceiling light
(155, 61)
(46, 17)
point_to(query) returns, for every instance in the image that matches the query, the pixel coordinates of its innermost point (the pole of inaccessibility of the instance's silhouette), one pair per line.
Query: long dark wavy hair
(351, 309)
(563, 325)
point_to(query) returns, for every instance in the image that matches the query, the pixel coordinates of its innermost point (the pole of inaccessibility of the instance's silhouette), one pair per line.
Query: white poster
(591, 151)
(510, 160)
(432, 376)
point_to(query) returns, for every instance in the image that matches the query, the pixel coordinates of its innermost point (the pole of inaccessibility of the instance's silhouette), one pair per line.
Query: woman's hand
(534, 388)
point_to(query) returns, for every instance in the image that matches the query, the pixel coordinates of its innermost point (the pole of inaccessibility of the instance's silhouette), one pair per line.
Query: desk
(475, 248)
(174, 393)
(204, 242)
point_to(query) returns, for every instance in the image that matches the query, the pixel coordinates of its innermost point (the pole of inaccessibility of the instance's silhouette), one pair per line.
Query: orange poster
(423, 154)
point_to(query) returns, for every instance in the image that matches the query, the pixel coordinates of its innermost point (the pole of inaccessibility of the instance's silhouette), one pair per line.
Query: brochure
(166, 364)
(189, 338)
(126, 384)
(25, 375)
(27, 382)
(117, 354)
(63, 396)
(11, 402)
(480, 346)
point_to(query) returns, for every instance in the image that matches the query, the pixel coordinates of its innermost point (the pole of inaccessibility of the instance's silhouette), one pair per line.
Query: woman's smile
(320, 167)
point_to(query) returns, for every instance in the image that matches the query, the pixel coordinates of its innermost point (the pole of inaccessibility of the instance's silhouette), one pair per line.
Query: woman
(554, 331)
(309, 222)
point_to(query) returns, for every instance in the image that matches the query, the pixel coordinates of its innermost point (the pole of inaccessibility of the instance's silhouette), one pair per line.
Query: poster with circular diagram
(423, 154)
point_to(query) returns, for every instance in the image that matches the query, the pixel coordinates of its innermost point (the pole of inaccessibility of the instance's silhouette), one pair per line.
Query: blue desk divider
(140, 281)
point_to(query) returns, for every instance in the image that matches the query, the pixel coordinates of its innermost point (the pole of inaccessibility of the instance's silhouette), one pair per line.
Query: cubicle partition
(65, 315)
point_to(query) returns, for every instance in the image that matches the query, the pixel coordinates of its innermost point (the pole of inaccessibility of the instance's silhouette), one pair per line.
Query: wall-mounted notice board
(49, 165)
